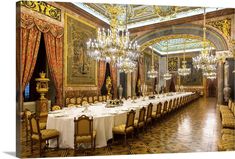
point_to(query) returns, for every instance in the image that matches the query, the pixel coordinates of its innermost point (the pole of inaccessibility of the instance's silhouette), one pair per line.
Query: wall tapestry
(195, 78)
(172, 63)
(80, 70)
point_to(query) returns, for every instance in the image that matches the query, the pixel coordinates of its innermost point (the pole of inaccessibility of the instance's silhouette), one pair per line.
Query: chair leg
(31, 146)
(125, 139)
(74, 150)
(57, 143)
(40, 148)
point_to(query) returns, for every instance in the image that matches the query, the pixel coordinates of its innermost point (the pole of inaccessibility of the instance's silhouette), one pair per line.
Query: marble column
(227, 89)
(128, 85)
(133, 82)
(220, 83)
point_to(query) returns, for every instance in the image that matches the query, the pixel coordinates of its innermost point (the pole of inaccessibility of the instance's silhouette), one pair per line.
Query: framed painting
(80, 70)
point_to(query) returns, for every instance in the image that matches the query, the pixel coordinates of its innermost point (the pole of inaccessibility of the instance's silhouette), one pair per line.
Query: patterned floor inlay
(194, 128)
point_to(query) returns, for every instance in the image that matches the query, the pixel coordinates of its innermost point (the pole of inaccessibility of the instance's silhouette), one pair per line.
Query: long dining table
(104, 119)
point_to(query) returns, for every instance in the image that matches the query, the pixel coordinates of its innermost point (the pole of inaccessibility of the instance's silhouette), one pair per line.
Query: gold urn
(109, 85)
(42, 85)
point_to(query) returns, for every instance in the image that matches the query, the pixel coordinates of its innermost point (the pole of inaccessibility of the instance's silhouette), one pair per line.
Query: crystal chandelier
(152, 73)
(114, 44)
(167, 75)
(184, 71)
(205, 61)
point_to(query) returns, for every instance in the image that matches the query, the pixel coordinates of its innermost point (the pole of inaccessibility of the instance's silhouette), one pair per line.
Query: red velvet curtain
(113, 73)
(30, 30)
(101, 75)
(54, 51)
(29, 45)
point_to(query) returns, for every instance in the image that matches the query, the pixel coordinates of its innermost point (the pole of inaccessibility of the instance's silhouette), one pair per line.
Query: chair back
(149, 111)
(159, 108)
(27, 114)
(73, 101)
(83, 126)
(84, 99)
(90, 99)
(55, 107)
(84, 102)
(104, 98)
(165, 105)
(79, 100)
(100, 99)
(34, 125)
(108, 97)
(95, 98)
(170, 104)
(141, 114)
(67, 101)
(130, 118)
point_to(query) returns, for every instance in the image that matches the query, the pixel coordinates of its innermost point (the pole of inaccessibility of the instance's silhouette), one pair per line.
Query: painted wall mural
(80, 70)
(195, 78)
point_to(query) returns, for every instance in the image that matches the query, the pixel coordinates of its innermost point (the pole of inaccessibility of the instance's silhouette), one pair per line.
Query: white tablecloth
(104, 119)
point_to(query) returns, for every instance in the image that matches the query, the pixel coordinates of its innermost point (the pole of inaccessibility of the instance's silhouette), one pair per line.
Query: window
(27, 92)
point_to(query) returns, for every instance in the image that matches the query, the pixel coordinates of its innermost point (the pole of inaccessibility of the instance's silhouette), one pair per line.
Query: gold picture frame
(79, 69)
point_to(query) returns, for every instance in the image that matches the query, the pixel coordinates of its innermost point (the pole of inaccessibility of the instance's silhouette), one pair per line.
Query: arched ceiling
(175, 35)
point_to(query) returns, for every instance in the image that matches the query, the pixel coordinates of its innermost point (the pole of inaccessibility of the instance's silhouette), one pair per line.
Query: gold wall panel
(223, 25)
(80, 70)
(172, 63)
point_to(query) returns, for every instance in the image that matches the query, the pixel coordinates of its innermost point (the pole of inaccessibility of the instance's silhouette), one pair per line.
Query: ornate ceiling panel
(177, 45)
(141, 15)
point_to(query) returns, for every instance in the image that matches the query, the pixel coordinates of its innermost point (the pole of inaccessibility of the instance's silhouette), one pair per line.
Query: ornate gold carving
(156, 40)
(109, 85)
(164, 11)
(43, 8)
(223, 25)
(172, 63)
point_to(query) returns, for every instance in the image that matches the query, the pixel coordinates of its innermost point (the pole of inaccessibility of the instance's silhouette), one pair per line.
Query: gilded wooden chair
(158, 110)
(85, 99)
(55, 107)
(67, 101)
(108, 97)
(104, 98)
(41, 135)
(27, 114)
(100, 99)
(148, 117)
(73, 101)
(95, 99)
(83, 131)
(164, 110)
(140, 123)
(90, 99)
(79, 101)
(127, 128)
(169, 106)
(84, 103)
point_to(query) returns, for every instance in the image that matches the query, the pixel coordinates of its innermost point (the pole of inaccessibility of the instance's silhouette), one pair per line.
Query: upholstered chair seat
(47, 134)
(85, 139)
(228, 131)
(120, 129)
(136, 124)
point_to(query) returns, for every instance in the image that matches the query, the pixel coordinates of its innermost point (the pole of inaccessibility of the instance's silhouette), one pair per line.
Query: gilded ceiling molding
(43, 8)
(223, 25)
(175, 36)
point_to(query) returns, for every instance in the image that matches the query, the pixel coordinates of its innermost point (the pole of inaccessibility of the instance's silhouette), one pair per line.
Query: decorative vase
(42, 85)
(120, 91)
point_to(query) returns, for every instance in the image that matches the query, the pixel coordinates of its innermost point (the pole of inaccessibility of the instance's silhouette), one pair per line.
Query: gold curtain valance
(28, 21)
